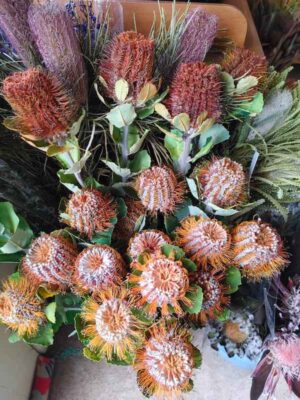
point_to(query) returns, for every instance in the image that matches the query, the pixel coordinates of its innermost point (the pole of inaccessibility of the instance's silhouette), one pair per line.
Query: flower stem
(124, 146)
(76, 174)
(183, 159)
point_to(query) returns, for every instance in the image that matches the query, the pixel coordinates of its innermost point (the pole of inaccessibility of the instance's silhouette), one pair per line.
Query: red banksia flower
(20, 309)
(258, 250)
(205, 241)
(90, 211)
(97, 267)
(148, 241)
(166, 361)
(223, 182)
(131, 57)
(43, 108)
(195, 88)
(50, 260)
(124, 228)
(159, 190)
(110, 325)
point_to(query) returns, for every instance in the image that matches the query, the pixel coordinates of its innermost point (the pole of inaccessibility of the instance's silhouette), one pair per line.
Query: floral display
(150, 188)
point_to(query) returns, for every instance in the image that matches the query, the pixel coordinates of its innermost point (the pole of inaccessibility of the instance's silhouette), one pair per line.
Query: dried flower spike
(148, 241)
(195, 88)
(205, 241)
(50, 260)
(166, 361)
(97, 267)
(20, 309)
(130, 57)
(159, 190)
(124, 228)
(90, 211)
(110, 325)
(258, 250)
(43, 108)
(223, 182)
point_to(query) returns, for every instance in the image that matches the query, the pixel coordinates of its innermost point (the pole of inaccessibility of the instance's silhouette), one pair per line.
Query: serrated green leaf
(44, 337)
(197, 298)
(189, 265)
(141, 161)
(122, 115)
(140, 315)
(170, 250)
(223, 315)
(233, 279)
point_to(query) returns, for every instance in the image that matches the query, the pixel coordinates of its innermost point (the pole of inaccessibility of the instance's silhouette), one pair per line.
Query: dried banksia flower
(58, 44)
(130, 57)
(13, 22)
(214, 290)
(200, 31)
(290, 304)
(50, 260)
(258, 250)
(223, 182)
(124, 228)
(20, 309)
(160, 283)
(205, 241)
(90, 211)
(110, 325)
(166, 361)
(43, 108)
(159, 190)
(148, 241)
(97, 267)
(195, 88)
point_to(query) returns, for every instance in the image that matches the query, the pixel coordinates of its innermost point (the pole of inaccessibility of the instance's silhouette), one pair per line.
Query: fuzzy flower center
(285, 353)
(147, 241)
(207, 237)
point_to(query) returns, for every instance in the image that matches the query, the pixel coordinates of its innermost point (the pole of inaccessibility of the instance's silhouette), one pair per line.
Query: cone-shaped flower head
(124, 228)
(98, 267)
(130, 57)
(205, 241)
(166, 361)
(223, 182)
(195, 88)
(159, 190)
(160, 283)
(50, 260)
(110, 325)
(148, 241)
(44, 109)
(20, 309)
(57, 42)
(90, 211)
(258, 250)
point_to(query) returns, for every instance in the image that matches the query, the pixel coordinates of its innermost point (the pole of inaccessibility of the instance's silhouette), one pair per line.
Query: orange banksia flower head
(258, 250)
(158, 283)
(50, 260)
(159, 190)
(20, 309)
(131, 57)
(43, 108)
(223, 182)
(97, 267)
(166, 361)
(148, 241)
(90, 211)
(110, 325)
(124, 228)
(195, 88)
(205, 241)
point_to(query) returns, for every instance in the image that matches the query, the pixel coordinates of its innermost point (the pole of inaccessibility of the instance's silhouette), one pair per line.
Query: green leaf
(141, 316)
(78, 324)
(197, 298)
(246, 84)
(171, 223)
(75, 128)
(78, 165)
(121, 89)
(103, 237)
(122, 115)
(11, 258)
(117, 361)
(224, 315)
(218, 133)
(197, 356)
(189, 387)
(162, 110)
(147, 93)
(189, 265)
(169, 250)
(229, 86)
(182, 122)
(141, 161)
(50, 311)
(116, 169)
(233, 279)
(44, 336)
(20, 240)
(69, 181)
(145, 112)
(140, 223)
(8, 217)
(222, 212)
(196, 211)
(204, 150)
(174, 144)
(193, 187)
(122, 208)
(14, 338)
(91, 355)
(250, 108)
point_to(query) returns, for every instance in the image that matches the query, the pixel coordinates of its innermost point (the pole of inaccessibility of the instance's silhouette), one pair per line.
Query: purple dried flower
(13, 22)
(56, 40)
(199, 33)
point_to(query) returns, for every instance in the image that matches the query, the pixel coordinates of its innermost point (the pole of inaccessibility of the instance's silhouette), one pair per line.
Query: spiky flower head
(159, 190)
(160, 283)
(20, 309)
(44, 108)
(195, 88)
(258, 250)
(50, 260)
(206, 241)
(125, 227)
(97, 267)
(222, 181)
(57, 42)
(166, 361)
(148, 241)
(110, 325)
(90, 211)
(130, 57)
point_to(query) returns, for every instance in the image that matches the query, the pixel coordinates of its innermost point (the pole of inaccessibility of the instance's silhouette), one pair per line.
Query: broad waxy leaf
(182, 122)
(121, 90)
(174, 144)
(233, 279)
(197, 298)
(245, 84)
(122, 115)
(50, 311)
(162, 110)
(141, 161)
(147, 93)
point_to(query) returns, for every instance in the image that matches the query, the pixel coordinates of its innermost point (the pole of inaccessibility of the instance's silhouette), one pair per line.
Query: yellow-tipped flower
(148, 241)
(111, 327)
(20, 309)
